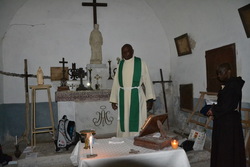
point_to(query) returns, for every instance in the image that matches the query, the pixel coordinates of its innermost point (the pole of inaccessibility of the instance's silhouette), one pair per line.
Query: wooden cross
(163, 89)
(94, 4)
(63, 62)
(27, 109)
(26, 76)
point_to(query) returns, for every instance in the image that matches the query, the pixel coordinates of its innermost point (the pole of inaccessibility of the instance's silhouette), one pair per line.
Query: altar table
(114, 152)
(89, 109)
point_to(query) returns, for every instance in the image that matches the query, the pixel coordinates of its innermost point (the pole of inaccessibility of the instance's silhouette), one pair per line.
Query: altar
(121, 152)
(89, 109)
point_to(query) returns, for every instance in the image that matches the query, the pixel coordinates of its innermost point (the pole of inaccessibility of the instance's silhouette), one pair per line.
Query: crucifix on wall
(94, 5)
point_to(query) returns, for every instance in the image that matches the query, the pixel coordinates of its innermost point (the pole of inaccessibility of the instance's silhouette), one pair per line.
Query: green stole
(134, 105)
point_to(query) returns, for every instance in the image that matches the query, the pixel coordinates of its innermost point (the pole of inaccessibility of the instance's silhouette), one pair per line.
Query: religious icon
(183, 45)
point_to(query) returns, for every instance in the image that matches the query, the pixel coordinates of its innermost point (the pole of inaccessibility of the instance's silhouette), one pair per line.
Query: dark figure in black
(228, 149)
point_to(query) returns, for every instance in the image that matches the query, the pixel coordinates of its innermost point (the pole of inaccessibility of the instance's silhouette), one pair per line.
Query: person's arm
(227, 101)
(114, 106)
(150, 104)
(146, 81)
(114, 92)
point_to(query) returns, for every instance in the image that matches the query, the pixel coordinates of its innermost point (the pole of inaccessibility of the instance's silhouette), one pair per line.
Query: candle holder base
(81, 87)
(91, 155)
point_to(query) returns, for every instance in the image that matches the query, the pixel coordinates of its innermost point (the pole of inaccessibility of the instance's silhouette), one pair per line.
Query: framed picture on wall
(183, 45)
(245, 18)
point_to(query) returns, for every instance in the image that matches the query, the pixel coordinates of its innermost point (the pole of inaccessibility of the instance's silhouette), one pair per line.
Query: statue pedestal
(92, 66)
(101, 70)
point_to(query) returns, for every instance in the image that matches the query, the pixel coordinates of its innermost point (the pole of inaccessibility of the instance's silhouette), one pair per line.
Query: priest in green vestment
(132, 93)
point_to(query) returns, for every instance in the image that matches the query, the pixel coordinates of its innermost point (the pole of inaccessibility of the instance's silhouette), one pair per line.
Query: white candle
(174, 144)
(90, 144)
(16, 140)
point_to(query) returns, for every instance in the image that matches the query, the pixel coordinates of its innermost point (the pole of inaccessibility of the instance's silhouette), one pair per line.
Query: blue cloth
(205, 109)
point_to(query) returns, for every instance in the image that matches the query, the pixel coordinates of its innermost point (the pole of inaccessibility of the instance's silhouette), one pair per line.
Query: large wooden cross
(162, 82)
(26, 76)
(94, 4)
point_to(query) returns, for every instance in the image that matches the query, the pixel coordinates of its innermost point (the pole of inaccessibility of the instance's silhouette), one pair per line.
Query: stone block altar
(89, 109)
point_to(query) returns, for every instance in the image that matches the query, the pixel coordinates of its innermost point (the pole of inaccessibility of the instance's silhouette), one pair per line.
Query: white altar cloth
(89, 110)
(117, 155)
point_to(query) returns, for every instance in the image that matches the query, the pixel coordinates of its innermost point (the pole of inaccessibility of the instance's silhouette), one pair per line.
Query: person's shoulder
(135, 57)
(237, 81)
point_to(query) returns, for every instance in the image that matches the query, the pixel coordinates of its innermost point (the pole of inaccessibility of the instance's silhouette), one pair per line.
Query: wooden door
(215, 57)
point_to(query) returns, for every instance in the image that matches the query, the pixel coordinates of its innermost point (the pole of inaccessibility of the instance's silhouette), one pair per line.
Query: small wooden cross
(94, 5)
(63, 62)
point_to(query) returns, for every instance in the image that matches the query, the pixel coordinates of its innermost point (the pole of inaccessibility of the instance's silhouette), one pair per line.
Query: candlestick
(110, 78)
(90, 79)
(174, 143)
(91, 155)
(90, 144)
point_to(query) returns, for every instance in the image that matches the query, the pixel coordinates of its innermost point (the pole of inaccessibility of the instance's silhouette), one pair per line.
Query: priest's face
(127, 52)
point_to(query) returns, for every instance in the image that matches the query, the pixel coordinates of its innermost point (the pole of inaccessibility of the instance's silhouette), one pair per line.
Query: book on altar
(152, 134)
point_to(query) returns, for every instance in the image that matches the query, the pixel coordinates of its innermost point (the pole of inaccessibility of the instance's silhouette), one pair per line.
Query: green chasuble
(134, 106)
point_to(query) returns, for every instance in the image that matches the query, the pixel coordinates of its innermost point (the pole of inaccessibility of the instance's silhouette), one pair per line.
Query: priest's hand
(114, 106)
(210, 112)
(150, 104)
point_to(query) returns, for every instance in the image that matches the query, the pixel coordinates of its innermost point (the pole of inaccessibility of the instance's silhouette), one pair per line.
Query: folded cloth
(157, 135)
(115, 140)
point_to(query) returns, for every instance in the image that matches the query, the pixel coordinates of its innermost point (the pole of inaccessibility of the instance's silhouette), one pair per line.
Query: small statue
(39, 76)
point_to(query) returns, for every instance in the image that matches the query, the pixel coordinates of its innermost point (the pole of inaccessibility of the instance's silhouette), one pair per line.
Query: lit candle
(174, 144)
(90, 144)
